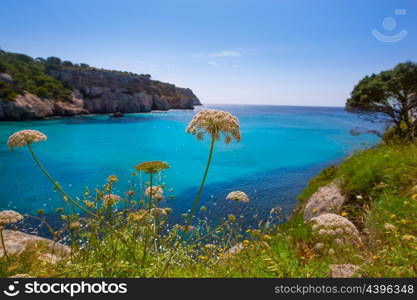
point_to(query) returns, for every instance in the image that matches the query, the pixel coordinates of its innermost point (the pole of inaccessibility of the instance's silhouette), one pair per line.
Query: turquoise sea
(281, 149)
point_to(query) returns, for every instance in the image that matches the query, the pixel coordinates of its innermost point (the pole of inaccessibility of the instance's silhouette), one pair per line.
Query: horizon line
(264, 104)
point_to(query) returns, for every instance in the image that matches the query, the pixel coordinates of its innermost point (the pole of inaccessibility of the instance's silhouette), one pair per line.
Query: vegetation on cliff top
(29, 75)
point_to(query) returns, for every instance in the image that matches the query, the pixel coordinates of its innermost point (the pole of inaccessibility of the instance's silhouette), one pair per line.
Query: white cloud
(213, 63)
(225, 53)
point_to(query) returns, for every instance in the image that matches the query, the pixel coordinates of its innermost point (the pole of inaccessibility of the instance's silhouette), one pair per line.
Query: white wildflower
(110, 199)
(8, 217)
(238, 196)
(157, 192)
(157, 212)
(389, 227)
(25, 137)
(215, 123)
(336, 227)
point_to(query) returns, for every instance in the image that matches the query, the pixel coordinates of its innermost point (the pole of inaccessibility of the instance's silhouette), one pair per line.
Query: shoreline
(110, 115)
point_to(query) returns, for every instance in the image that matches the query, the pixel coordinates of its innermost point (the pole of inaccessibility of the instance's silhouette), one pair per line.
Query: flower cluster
(158, 212)
(112, 178)
(215, 123)
(238, 196)
(337, 228)
(138, 216)
(8, 217)
(389, 227)
(25, 137)
(152, 166)
(157, 192)
(110, 199)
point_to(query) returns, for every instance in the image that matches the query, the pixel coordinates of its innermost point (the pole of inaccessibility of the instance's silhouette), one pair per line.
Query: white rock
(17, 242)
(328, 199)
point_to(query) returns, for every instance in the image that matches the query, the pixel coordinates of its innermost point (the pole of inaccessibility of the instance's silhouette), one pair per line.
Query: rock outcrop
(343, 271)
(17, 242)
(6, 78)
(328, 199)
(29, 106)
(106, 91)
(99, 92)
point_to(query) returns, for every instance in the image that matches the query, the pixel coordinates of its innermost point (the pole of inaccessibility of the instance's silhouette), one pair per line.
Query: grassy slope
(385, 179)
(379, 183)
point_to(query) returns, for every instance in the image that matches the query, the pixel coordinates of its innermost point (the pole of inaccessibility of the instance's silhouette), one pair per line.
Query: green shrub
(29, 75)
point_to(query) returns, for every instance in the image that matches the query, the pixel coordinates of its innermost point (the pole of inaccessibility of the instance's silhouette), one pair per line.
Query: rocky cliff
(105, 91)
(89, 90)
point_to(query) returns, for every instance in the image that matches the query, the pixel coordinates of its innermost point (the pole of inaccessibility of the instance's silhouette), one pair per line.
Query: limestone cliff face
(109, 91)
(100, 92)
(28, 106)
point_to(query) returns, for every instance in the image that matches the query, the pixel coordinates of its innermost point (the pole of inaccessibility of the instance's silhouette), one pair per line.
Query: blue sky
(284, 52)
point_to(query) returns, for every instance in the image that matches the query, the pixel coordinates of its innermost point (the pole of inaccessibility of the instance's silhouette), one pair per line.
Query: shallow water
(281, 149)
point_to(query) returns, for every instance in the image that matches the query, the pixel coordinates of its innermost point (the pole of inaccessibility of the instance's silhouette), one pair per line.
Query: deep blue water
(281, 149)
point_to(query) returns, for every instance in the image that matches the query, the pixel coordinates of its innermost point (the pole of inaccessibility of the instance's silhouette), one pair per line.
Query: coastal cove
(281, 149)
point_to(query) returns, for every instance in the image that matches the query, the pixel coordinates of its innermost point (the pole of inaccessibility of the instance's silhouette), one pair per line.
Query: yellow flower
(74, 226)
(152, 166)
(138, 216)
(232, 218)
(409, 237)
(267, 237)
(89, 204)
(314, 210)
(245, 243)
(414, 197)
(112, 178)
(344, 214)
(393, 216)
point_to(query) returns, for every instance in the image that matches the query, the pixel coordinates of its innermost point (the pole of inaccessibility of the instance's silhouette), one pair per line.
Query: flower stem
(145, 249)
(197, 199)
(3, 244)
(58, 187)
(194, 208)
(150, 191)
